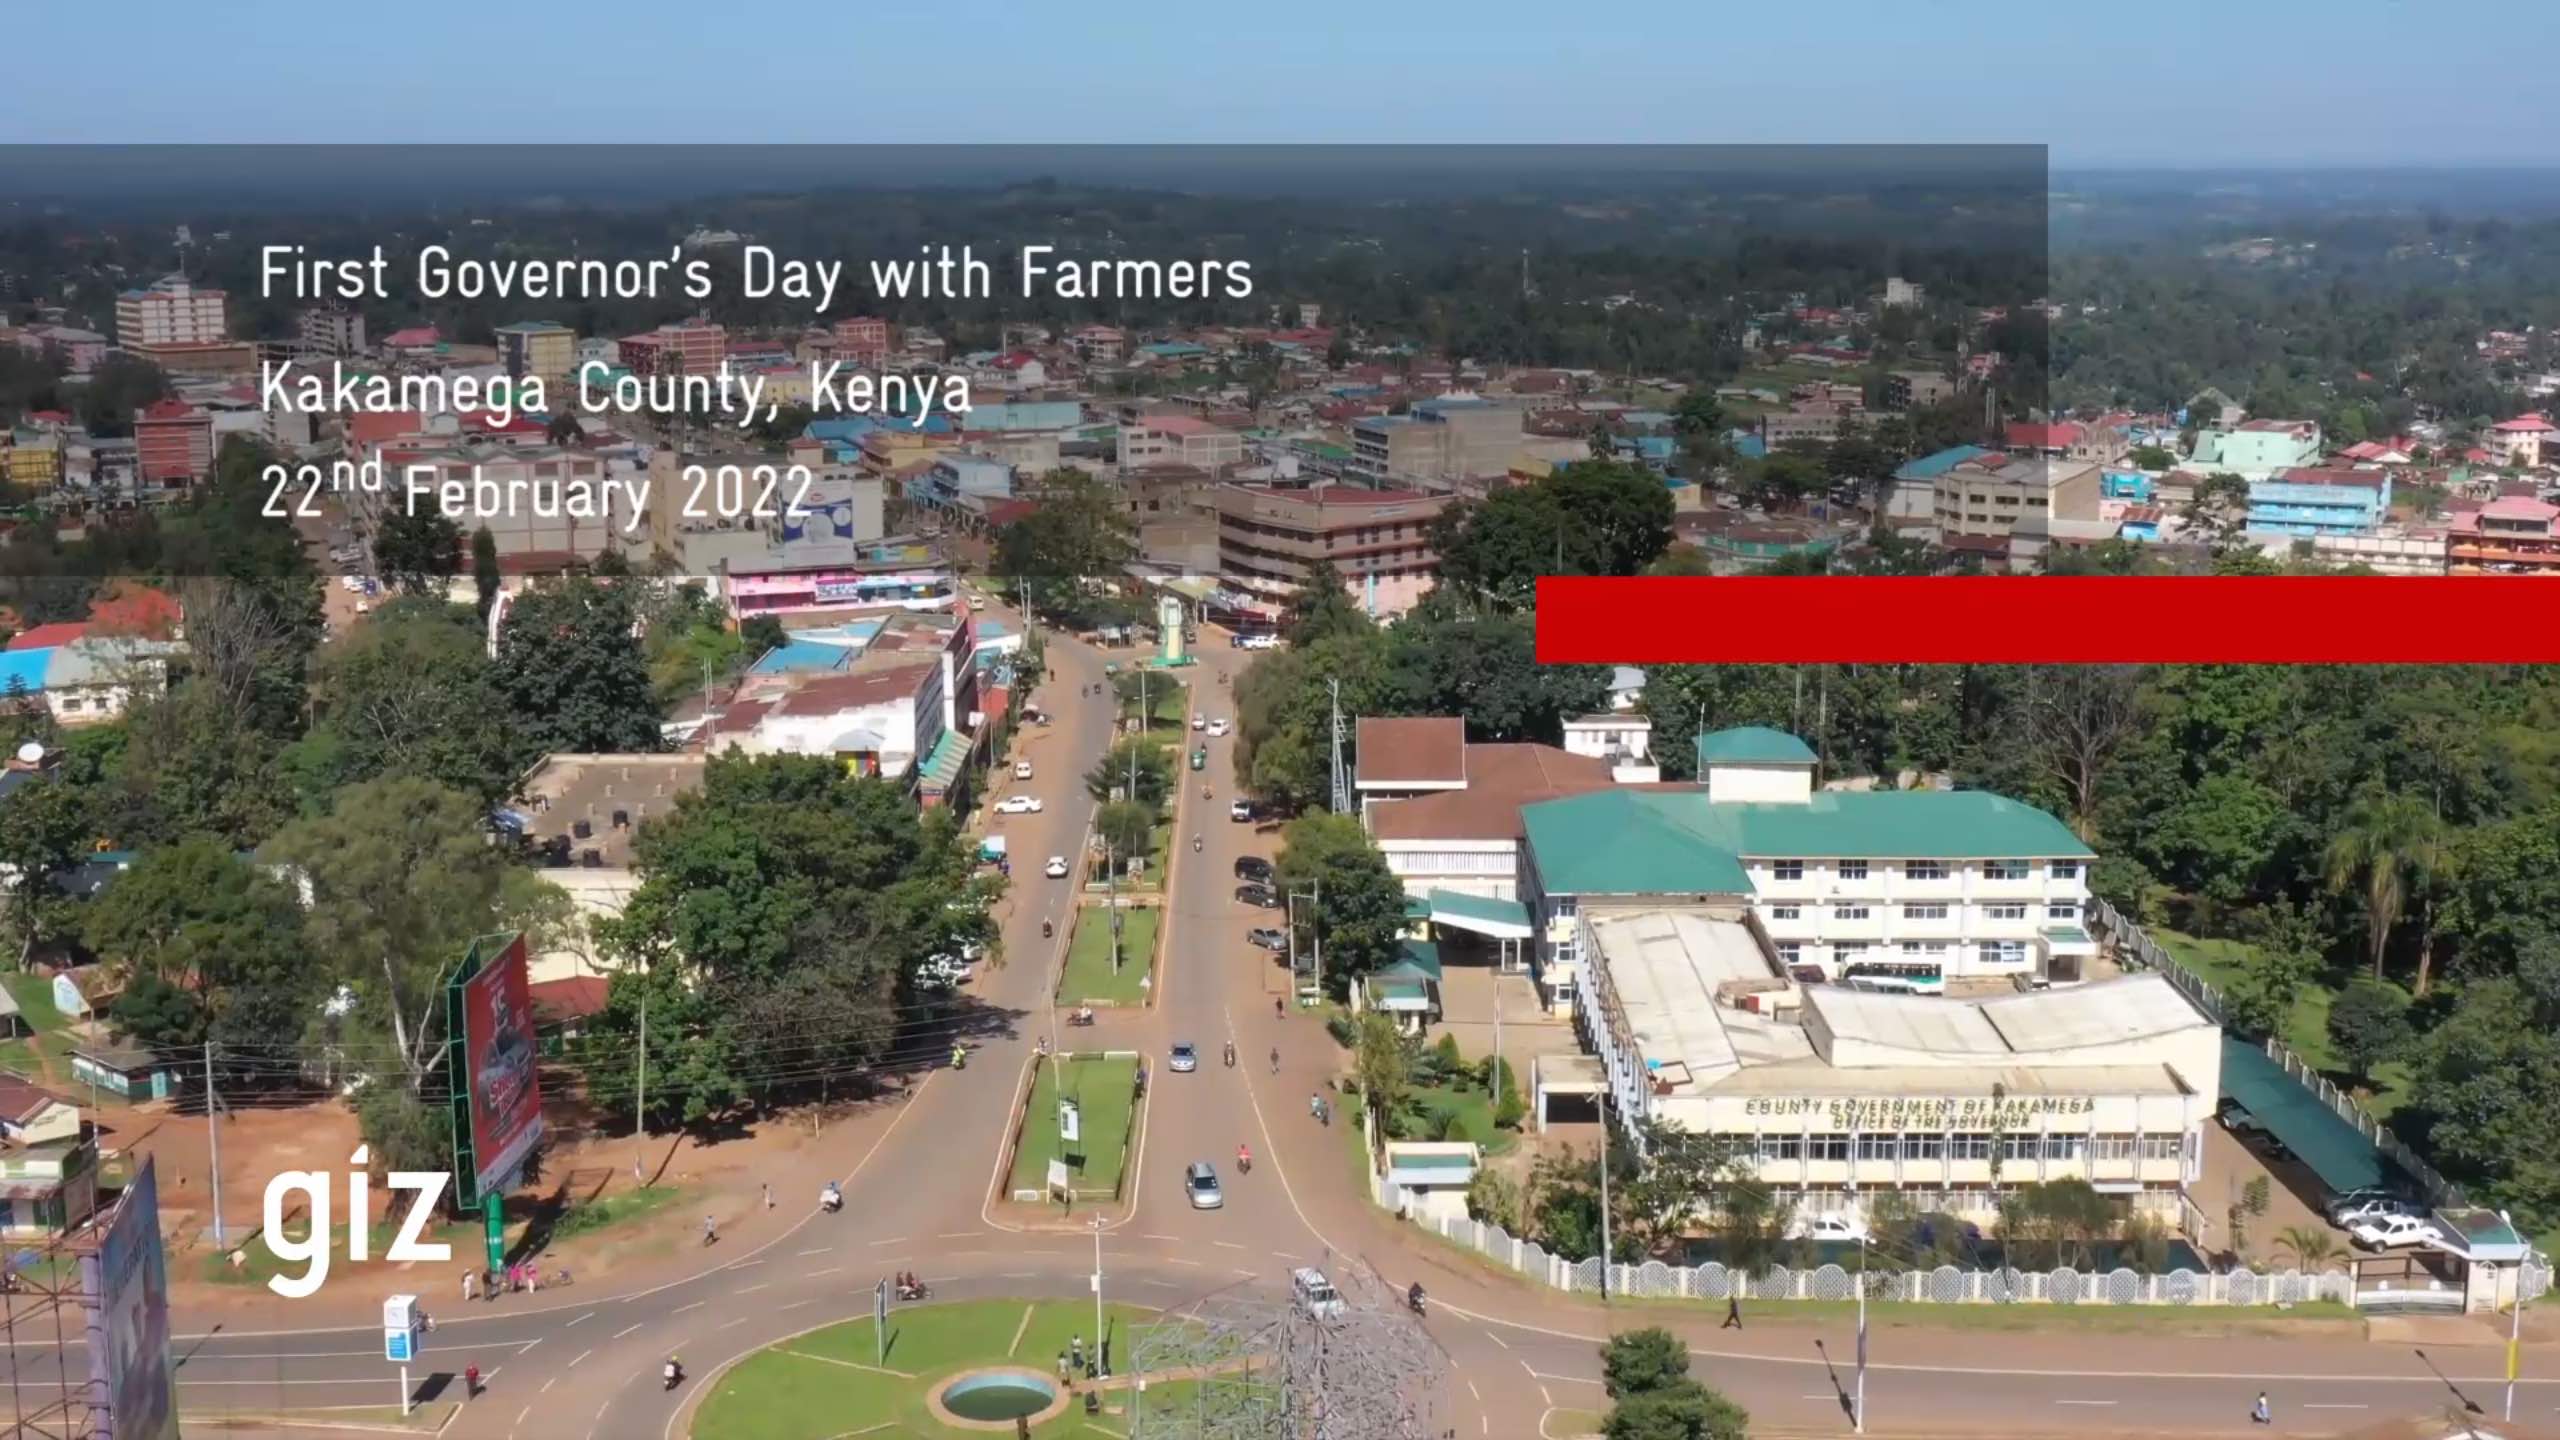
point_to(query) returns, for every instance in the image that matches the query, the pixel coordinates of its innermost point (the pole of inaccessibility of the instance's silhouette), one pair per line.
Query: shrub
(1445, 1058)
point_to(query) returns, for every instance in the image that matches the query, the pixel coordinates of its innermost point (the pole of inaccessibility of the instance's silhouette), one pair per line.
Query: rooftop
(563, 789)
(1635, 841)
(2022, 1026)
(1752, 745)
(1500, 780)
(1418, 750)
(1666, 967)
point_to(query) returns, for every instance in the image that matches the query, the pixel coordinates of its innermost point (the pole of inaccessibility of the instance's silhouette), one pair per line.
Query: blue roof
(1024, 415)
(24, 669)
(1751, 447)
(1930, 467)
(804, 655)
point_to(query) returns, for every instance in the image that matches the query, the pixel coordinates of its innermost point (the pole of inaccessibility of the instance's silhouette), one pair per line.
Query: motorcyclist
(1244, 1159)
(1048, 929)
(1195, 844)
(674, 1371)
(1413, 1297)
(832, 1197)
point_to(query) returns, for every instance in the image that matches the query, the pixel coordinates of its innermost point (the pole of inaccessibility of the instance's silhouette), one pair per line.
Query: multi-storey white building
(1837, 1095)
(171, 311)
(1954, 882)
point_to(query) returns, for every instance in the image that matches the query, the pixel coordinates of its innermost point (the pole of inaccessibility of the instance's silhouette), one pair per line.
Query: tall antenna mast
(1341, 776)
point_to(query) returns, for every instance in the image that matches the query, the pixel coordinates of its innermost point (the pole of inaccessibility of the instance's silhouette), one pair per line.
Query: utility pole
(1341, 777)
(1605, 1249)
(640, 1097)
(2515, 1326)
(213, 1142)
(1097, 1290)
(1858, 1407)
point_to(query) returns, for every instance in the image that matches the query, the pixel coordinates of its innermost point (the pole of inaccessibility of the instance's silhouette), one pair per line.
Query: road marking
(527, 1410)
(547, 1384)
(1176, 1260)
(2099, 1403)
(1498, 1340)
(1579, 1380)
(962, 1235)
(741, 1265)
(529, 1344)
(741, 1320)
(696, 1305)
(618, 1334)
(821, 1250)
(750, 1290)
(1819, 1397)
(796, 1304)
(2311, 1406)
(1227, 1245)
(582, 1356)
(1014, 1275)
(590, 1315)
(901, 1240)
(830, 1270)
(1174, 1238)
(1285, 1255)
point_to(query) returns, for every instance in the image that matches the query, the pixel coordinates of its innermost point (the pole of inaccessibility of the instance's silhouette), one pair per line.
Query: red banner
(2053, 619)
(506, 1084)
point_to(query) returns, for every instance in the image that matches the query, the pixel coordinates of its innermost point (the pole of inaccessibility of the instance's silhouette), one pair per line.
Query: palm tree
(2312, 1248)
(2383, 839)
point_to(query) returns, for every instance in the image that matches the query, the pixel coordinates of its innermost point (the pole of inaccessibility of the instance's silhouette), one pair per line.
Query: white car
(1846, 1229)
(1018, 805)
(1021, 769)
(1056, 869)
(1199, 721)
(2385, 1232)
(944, 972)
(1218, 727)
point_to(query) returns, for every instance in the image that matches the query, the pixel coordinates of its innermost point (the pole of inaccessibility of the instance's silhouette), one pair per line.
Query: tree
(485, 578)
(1149, 761)
(2078, 717)
(763, 633)
(1383, 1060)
(1127, 828)
(2219, 504)
(413, 693)
(2260, 998)
(1659, 1196)
(1685, 1411)
(418, 550)
(2368, 1023)
(401, 877)
(1076, 533)
(44, 830)
(192, 766)
(572, 671)
(1321, 607)
(2384, 835)
(2151, 457)
(1633, 1362)
(2484, 1095)
(216, 936)
(1359, 918)
(2313, 1248)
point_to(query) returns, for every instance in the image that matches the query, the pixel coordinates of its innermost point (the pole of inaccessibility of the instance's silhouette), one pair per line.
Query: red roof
(2524, 425)
(45, 637)
(415, 337)
(572, 999)
(130, 608)
(1015, 360)
(2058, 436)
(368, 428)
(170, 410)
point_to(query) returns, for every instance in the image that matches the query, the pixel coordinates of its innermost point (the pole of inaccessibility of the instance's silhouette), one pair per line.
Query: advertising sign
(402, 1325)
(126, 1285)
(1070, 1122)
(498, 1048)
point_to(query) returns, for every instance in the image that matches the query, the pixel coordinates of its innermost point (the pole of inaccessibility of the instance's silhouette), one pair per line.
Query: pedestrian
(1075, 1347)
(2259, 1414)
(1278, 1010)
(768, 1194)
(1065, 1376)
(471, 1382)
(1275, 1059)
(710, 1230)
(470, 1287)
(1732, 1313)
(532, 1278)
(1315, 1104)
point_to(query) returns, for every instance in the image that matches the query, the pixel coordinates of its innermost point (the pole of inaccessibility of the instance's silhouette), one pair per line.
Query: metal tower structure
(1341, 775)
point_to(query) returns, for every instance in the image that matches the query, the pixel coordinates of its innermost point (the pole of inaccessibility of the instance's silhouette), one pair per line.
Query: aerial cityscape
(731, 794)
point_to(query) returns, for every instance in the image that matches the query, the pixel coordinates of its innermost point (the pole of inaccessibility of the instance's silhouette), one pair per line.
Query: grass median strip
(1090, 978)
(1104, 1088)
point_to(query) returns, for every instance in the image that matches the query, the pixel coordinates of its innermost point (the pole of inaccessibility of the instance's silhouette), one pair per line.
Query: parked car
(1836, 1227)
(1253, 868)
(1184, 1060)
(1240, 811)
(1056, 869)
(1018, 805)
(944, 972)
(1260, 895)
(2378, 1207)
(1201, 1182)
(2352, 1202)
(1266, 938)
(1021, 769)
(2385, 1232)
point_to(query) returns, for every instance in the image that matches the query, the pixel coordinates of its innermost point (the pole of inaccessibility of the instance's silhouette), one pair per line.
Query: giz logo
(312, 1251)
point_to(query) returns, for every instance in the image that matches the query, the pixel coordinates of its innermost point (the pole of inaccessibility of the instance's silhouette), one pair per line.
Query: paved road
(920, 1176)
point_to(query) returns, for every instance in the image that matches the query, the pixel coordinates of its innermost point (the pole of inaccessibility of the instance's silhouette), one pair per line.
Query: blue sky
(2169, 82)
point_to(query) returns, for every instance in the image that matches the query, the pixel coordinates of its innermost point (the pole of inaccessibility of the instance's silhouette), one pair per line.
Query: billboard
(126, 1285)
(498, 1058)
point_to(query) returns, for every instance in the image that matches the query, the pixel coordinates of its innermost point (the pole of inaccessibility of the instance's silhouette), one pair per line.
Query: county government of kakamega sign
(1920, 1112)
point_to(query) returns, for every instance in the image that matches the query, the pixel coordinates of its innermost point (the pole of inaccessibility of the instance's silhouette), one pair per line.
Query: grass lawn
(2306, 1030)
(826, 1383)
(1089, 978)
(1104, 1089)
(262, 1263)
(617, 1208)
(1570, 1424)
(1168, 703)
(1470, 1107)
(47, 1052)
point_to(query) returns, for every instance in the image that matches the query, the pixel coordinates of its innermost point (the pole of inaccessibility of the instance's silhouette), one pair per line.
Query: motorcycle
(917, 1291)
(831, 1199)
(1080, 1017)
(1048, 931)
(1414, 1299)
(674, 1373)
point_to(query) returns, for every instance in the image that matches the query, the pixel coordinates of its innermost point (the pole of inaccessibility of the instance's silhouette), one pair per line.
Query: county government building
(1870, 989)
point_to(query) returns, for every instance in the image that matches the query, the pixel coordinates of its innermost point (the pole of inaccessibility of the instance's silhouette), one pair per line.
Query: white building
(171, 311)
(1841, 1094)
(1954, 883)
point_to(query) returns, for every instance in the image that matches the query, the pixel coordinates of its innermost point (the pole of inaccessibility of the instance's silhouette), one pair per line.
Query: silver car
(1201, 1183)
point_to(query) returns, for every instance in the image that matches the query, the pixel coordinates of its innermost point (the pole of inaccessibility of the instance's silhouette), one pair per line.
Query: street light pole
(1858, 1407)
(213, 1142)
(1097, 1289)
(2515, 1331)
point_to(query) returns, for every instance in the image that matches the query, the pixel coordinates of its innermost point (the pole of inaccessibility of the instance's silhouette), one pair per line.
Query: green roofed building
(1903, 887)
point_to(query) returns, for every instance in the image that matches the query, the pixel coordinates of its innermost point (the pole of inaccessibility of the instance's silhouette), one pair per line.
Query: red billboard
(499, 1059)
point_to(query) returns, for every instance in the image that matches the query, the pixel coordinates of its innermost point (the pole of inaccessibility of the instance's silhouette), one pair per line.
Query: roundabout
(964, 1368)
